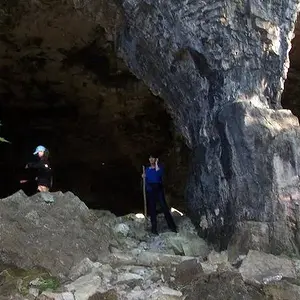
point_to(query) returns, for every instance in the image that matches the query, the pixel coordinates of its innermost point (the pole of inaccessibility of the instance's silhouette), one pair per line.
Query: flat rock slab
(56, 296)
(282, 290)
(260, 267)
(221, 286)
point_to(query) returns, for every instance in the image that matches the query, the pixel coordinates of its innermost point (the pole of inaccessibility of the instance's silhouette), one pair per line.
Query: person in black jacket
(43, 169)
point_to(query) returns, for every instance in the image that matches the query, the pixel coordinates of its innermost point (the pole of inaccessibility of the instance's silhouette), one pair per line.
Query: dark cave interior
(62, 86)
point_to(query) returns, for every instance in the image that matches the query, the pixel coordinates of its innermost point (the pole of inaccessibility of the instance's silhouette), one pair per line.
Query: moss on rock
(15, 280)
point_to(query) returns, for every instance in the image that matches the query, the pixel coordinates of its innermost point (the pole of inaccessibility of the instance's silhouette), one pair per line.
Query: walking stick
(144, 194)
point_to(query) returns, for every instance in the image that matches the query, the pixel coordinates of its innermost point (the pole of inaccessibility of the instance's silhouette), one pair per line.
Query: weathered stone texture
(53, 236)
(221, 66)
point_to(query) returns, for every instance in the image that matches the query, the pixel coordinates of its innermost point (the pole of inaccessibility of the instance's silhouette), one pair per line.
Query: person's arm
(157, 168)
(38, 165)
(35, 165)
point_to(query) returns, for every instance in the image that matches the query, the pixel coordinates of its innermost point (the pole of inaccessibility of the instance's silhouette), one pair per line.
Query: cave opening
(62, 86)
(290, 96)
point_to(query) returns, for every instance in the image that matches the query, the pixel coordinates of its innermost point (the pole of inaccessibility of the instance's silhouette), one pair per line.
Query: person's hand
(156, 161)
(143, 175)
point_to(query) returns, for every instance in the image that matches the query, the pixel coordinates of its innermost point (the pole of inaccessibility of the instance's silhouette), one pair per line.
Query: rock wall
(220, 66)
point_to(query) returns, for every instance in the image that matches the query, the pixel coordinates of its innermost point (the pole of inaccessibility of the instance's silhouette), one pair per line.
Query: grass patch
(15, 280)
(50, 283)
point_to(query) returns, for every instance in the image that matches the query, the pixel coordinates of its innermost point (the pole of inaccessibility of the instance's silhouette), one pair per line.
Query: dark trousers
(155, 193)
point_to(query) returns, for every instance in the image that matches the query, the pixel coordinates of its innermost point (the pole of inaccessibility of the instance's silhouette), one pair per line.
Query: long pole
(144, 193)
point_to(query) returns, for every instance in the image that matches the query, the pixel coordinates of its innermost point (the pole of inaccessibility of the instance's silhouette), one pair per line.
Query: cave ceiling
(55, 62)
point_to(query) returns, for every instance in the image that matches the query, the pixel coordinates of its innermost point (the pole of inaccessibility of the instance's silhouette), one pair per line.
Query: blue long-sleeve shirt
(153, 175)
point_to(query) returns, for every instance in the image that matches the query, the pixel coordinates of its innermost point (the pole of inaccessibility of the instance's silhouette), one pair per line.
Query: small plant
(16, 280)
(50, 283)
(3, 140)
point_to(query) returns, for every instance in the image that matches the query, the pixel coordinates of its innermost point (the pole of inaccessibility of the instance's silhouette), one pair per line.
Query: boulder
(122, 229)
(249, 235)
(218, 261)
(220, 286)
(55, 235)
(259, 267)
(129, 279)
(86, 286)
(187, 271)
(56, 296)
(282, 291)
(82, 268)
(165, 293)
(187, 245)
(109, 295)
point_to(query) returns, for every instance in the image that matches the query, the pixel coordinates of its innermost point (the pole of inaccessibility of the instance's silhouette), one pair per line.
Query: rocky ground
(64, 251)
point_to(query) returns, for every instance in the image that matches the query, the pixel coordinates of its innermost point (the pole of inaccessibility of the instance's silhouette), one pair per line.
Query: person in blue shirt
(155, 193)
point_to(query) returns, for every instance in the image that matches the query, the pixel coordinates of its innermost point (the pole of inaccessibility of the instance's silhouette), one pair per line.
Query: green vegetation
(14, 280)
(50, 283)
(3, 140)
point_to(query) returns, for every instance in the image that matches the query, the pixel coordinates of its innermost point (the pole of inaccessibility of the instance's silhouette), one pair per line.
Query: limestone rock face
(221, 65)
(54, 236)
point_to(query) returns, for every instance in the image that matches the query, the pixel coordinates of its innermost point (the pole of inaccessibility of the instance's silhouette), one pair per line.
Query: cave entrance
(62, 86)
(290, 96)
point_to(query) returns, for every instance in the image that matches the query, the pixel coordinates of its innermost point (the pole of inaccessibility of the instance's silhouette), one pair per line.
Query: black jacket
(44, 172)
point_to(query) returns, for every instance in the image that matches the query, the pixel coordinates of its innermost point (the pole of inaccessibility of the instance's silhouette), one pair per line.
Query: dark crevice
(201, 63)
(226, 156)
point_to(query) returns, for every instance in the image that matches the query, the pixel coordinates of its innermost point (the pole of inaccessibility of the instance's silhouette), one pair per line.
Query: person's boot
(154, 231)
(174, 229)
